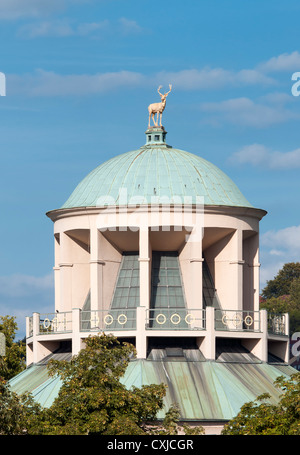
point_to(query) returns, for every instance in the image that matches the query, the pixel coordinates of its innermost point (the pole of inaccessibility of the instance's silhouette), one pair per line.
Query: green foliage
(17, 413)
(282, 295)
(281, 284)
(295, 292)
(284, 304)
(261, 417)
(93, 400)
(14, 360)
(170, 425)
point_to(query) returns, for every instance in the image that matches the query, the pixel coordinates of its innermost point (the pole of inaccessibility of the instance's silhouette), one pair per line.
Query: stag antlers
(158, 108)
(166, 94)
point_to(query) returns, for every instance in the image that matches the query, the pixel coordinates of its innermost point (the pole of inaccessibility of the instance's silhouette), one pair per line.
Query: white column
(96, 273)
(256, 267)
(56, 269)
(65, 273)
(196, 262)
(144, 260)
(145, 290)
(236, 273)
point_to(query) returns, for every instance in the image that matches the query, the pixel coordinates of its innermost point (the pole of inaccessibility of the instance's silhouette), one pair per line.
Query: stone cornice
(252, 212)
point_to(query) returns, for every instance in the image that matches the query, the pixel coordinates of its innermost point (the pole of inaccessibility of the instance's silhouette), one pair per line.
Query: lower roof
(204, 390)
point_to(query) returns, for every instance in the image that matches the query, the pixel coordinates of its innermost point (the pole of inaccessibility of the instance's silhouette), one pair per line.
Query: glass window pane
(167, 290)
(126, 292)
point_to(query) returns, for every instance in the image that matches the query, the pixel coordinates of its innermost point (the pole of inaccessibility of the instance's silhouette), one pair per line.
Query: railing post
(76, 340)
(35, 332)
(208, 346)
(141, 340)
(35, 324)
(28, 326)
(264, 339)
(287, 324)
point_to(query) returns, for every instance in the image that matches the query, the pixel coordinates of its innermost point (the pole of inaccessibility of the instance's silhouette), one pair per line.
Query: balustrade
(155, 319)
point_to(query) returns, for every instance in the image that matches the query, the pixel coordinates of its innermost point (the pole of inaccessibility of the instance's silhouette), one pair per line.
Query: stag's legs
(158, 117)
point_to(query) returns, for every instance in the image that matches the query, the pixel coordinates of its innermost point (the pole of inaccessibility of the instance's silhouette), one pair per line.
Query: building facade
(153, 244)
(160, 248)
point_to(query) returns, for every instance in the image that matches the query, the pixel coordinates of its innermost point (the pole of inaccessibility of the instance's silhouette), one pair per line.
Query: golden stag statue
(158, 108)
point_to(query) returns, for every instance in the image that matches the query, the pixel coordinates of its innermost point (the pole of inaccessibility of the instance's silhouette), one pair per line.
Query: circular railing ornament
(108, 319)
(224, 319)
(161, 315)
(122, 321)
(189, 318)
(248, 320)
(236, 320)
(47, 323)
(175, 315)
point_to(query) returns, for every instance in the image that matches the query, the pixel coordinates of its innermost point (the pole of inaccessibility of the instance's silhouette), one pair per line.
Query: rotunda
(160, 248)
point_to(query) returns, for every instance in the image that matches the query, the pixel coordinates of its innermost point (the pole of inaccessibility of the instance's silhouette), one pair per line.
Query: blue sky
(79, 77)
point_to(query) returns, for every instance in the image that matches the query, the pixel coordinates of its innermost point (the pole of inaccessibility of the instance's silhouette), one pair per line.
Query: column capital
(196, 260)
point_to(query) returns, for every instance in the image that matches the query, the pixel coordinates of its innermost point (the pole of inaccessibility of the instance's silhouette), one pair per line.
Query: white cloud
(21, 295)
(129, 26)
(277, 98)
(286, 240)
(67, 27)
(276, 249)
(283, 62)
(48, 83)
(244, 111)
(259, 155)
(90, 27)
(212, 78)
(24, 285)
(16, 9)
(46, 28)
(60, 28)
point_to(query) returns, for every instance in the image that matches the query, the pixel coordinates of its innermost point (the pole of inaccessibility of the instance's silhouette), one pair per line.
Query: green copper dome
(155, 173)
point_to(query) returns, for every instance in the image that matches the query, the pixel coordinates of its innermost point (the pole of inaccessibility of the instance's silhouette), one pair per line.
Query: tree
(295, 292)
(282, 295)
(260, 417)
(93, 400)
(14, 360)
(281, 284)
(170, 425)
(17, 413)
